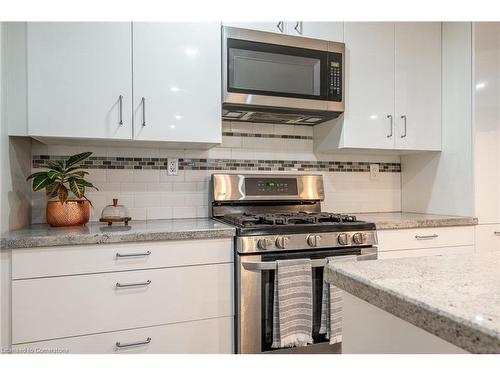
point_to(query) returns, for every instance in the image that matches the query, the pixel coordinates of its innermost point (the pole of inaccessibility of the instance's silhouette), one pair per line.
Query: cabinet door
(418, 85)
(273, 27)
(177, 82)
(369, 85)
(332, 31)
(76, 74)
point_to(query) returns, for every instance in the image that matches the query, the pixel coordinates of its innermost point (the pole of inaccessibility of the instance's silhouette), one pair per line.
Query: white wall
(442, 183)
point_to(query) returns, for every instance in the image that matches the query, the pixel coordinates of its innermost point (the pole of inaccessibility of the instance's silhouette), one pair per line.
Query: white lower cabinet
(488, 237)
(404, 243)
(209, 336)
(180, 296)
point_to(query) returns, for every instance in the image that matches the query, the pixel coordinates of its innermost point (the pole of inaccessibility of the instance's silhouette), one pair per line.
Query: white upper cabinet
(418, 86)
(177, 82)
(392, 89)
(369, 88)
(77, 72)
(332, 31)
(272, 27)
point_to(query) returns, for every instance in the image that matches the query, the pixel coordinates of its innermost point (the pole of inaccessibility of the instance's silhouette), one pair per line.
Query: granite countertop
(407, 220)
(455, 297)
(41, 235)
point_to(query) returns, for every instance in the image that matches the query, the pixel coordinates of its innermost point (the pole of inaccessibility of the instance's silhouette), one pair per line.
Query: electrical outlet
(374, 171)
(172, 167)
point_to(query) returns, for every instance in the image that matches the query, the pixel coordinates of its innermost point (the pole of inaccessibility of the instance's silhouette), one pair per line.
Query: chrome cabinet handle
(280, 26)
(390, 123)
(120, 104)
(131, 285)
(298, 27)
(430, 237)
(118, 255)
(496, 233)
(404, 123)
(145, 342)
(143, 111)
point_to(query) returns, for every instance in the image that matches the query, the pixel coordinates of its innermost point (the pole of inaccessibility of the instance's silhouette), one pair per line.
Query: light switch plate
(172, 167)
(374, 171)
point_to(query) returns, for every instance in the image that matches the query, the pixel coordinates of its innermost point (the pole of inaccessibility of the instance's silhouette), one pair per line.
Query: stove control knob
(358, 238)
(343, 239)
(264, 243)
(282, 242)
(314, 240)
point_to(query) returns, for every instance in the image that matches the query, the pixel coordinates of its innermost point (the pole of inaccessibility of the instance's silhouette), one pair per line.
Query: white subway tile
(219, 153)
(161, 186)
(263, 128)
(147, 199)
(195, 199)
(185, 187)
(164, 177)
(119, 175)
(202, 211)
(190, 175)
(133, 187)
(138, 213)
(241, 127)
(159, 213)
(146, 175)
(184, 212)
(171, 199)
(232, 141)
(171, 153)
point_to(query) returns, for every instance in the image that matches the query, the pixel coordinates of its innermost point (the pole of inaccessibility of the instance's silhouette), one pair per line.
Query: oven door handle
(366, 254)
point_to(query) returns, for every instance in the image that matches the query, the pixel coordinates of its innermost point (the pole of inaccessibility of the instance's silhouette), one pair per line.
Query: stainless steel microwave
(276, 78)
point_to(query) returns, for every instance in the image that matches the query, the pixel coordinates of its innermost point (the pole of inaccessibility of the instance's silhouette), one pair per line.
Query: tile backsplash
(139, 179)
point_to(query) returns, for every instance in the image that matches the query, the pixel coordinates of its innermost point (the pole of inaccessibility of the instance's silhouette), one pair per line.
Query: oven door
(255, 295)
(271, 70)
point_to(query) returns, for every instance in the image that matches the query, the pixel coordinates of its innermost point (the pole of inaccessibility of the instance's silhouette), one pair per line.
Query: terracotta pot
(71, 213)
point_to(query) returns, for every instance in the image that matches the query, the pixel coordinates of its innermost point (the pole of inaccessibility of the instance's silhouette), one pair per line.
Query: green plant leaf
(71, 169)
(55, 166)
(77, 158)
(88, 184)
(35, 175)
(52, 190)
(77, 187)
(76, 175)
(62, 193)
(41, 181)
(54, 174)
(88, 200)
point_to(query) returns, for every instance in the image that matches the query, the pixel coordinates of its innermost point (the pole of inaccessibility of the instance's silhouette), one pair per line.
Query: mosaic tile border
(107, 162)
(262, 135)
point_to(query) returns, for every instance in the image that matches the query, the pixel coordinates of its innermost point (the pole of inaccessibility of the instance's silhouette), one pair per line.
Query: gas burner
(280, 219)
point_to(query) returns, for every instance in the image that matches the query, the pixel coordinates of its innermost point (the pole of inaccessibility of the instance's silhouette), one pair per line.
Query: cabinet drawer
(426, 252)
(71, 260)
(423, 238)
(488, 237)
(210, 336)
(58, 307)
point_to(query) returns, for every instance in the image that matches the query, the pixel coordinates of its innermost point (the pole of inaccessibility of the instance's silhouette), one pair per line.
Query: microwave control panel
(335, 77)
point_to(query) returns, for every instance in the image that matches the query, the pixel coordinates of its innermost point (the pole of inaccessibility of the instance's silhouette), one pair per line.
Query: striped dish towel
(331, 306)
(292, 309)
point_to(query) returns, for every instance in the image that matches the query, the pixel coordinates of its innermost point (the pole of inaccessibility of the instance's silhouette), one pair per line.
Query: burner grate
(288, 219)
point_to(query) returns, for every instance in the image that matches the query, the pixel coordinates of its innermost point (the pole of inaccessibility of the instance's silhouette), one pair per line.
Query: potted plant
(61, 179)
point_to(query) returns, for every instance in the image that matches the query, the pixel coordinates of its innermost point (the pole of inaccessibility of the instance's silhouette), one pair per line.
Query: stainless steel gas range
(279, 217)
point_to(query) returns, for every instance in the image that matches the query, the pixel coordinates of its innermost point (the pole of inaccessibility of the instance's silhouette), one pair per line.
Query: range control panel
(335, 77)
(271, 186)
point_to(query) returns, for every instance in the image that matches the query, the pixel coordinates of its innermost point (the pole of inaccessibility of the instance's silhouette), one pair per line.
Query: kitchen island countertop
(454, 297)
